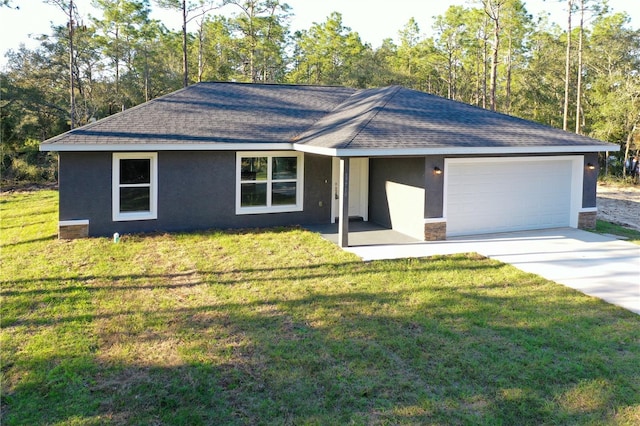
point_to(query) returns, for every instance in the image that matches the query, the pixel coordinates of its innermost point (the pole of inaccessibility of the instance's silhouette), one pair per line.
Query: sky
(374, 20)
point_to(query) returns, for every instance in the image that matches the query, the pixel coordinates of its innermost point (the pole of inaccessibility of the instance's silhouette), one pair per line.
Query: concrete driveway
(594, 264)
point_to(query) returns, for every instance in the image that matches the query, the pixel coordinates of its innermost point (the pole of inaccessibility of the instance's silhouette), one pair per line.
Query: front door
(358, 188)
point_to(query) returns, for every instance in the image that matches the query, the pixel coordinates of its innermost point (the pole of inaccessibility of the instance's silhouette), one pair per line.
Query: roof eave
(521, 150)
(282, 146)
(332, 152)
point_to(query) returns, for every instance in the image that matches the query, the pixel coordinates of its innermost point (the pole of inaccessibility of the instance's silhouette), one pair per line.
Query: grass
(280, 327)
(631, 235)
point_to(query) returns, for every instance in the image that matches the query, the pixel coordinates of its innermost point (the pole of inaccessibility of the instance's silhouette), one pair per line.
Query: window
(269, 182)
(135, 187)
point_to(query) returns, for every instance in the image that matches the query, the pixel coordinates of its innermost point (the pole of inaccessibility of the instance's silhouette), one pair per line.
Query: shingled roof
(320, 119)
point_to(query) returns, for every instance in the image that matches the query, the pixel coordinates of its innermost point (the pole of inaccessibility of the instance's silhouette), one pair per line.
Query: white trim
(119, 216)
(577, 180)
(79, 222)
(435, 220)
(332, 152)
(520, 150)
(577, 176)
(361, 167)
(310, 149)
(269, 208)
(511, 159)
(364, 190)
(588, 210)
(142, 147)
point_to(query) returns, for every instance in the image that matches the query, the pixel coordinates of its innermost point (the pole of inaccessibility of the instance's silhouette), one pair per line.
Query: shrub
(28, 165)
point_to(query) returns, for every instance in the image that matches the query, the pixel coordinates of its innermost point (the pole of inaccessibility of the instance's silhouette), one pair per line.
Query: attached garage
(488, 195)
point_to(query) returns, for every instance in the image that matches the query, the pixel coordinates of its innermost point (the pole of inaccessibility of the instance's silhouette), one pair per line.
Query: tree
(218, 56)
(477, 56)
(516, 28)
(451, 31)
(70, 10)
(584, 6)
(121, 31)
(407, 53)
(263, 30)
(493, 9)
(189, 12)
(327, 53)
(615, 94)
(567, 73)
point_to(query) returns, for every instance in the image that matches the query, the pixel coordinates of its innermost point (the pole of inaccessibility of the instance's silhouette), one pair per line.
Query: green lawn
(629, 234)
(280, 327)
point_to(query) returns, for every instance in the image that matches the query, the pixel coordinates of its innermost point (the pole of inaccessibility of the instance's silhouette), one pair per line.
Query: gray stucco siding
(434, 187)
(196, 191)
(84, 182)
(590, 181)
(408, 171)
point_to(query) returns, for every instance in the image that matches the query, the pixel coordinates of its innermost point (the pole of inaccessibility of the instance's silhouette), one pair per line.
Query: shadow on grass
(420, 353)
(23, 225)
(34, 240)
(449, 340)
(214, 277)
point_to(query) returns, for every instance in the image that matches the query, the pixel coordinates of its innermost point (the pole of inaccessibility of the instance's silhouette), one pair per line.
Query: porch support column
(343, 211)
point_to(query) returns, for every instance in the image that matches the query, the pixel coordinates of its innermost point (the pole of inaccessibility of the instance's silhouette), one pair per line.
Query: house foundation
(73, 229)
(435, 231)
(587, 220)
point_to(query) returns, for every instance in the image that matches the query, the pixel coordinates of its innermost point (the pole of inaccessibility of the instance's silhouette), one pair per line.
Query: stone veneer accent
(587, 220)
(435, 231)
(73, 229)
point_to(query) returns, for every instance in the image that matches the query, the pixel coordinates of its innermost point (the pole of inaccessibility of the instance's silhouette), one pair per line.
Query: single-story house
(236, 155)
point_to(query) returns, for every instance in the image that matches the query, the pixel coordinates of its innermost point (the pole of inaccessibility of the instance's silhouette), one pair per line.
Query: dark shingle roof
(400, 118)
(214, 113)
(328, 120)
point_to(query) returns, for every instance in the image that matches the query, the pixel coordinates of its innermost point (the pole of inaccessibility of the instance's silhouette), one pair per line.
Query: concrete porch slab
(363, 234)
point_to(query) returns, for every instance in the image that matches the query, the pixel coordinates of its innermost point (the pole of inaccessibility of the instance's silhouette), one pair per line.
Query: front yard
(280, 327)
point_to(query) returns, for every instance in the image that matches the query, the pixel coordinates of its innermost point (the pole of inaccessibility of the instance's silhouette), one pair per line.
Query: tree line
(583, 77)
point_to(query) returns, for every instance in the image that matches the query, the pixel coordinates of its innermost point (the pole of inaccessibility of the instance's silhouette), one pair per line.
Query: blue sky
(374, 20)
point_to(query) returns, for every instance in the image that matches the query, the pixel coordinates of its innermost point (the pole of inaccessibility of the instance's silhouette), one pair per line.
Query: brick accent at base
(587, 220)
(71, 232)
(435, 231)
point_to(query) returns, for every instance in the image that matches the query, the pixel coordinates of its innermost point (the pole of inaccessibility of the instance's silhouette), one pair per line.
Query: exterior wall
(388, 178)
(406, 208)
(590, 181)
(588, 216)
(196, 191)
(84, 182)
(434, 185)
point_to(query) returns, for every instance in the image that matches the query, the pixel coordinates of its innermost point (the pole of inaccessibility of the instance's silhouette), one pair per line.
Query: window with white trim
(135, 186)
(269, 182)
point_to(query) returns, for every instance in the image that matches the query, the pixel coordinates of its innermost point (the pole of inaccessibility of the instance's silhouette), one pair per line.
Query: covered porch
(361, 233)
(399, 200)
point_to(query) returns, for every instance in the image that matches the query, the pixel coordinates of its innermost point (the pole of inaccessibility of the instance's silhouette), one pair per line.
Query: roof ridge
(296, 138)
(374, 110)
(267, 84)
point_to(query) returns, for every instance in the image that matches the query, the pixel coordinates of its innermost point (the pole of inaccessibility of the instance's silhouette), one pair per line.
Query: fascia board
(167, 147)
(381, 152)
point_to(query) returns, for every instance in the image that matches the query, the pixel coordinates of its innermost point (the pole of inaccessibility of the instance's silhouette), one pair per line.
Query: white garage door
(497, 195)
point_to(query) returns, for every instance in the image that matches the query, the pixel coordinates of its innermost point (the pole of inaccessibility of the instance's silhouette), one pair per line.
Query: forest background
(583, 76)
